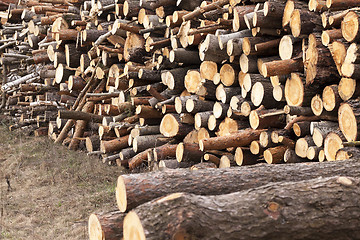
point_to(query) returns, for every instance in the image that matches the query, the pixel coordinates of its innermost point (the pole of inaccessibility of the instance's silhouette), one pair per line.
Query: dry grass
(53, 190)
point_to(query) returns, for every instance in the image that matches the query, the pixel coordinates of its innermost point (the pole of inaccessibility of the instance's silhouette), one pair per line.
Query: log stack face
(177, 84)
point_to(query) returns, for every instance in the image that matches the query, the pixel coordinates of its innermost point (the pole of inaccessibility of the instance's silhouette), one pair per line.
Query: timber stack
(185, 84)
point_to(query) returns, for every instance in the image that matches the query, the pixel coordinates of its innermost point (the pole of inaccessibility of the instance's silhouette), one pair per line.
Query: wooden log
(294, 110)
(302, 145)
(114, 145)
(241, 138)
(275, 155)
(282, 67)
(331, 98)
(304, 22)
(348, 88)
(348, 119)
(188, 152)
(107, 225)
(313, 153)
(265, 118)
(317, 105)
(130, 190)
(201, 119)
(349, 26)
(164, 152)
(171, 126)
(347, 153)
(320, 130)
(142, 143)
(332, 143)
(244, 157)
(301, 129)
(297, 93)
(194, 105)
(141, 220)
(65, 114)
(291, 157)
(138, 159)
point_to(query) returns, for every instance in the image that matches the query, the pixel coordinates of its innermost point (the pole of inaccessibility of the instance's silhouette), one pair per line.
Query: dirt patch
(52, 190)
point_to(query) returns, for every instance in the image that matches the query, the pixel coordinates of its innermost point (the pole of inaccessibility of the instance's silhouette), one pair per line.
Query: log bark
(239, 139)
(348, 117)
(131, 193)
(107, 225)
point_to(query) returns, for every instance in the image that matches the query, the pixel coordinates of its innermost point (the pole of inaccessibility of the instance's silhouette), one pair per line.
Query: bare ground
(52, 190)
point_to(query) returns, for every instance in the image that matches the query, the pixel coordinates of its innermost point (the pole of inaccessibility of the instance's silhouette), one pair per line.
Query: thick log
(106, 225)
(142, 143)
(350, 26)
(332, 143)
(171, 126)
(114, 145)
(199, 209)
(347, 153)
(302, 145)
(275, 155)
(265, 118)
(282, 67)
(348, 117)
(348, 88)
(188, 152)
(297, 93)
(244, 157)
(130, 190)
(319, 130)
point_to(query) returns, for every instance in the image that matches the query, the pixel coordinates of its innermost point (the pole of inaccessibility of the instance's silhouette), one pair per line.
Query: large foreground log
(293, 210)
(135, 189)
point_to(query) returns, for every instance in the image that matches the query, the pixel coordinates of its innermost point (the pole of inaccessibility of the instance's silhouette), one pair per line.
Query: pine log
(106, 225)
(348, 120)
(171, 126)
(130, 190)
(241, 138)
(347, 153)
(332, 143)
(275, 155)
(188, 152)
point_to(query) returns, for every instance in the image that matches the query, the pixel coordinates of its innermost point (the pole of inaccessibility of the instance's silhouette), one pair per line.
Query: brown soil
(52, 190)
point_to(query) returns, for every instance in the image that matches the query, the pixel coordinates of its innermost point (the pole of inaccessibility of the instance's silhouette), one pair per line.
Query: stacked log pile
(148, 83)
(175, 84)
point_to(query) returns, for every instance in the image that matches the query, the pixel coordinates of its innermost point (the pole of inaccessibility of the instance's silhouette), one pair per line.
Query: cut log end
(294, 91)
(257, 94)
(95, 229)
(120, 193)
(286, 47)
(208, 69)
(346, 89)
(318, 137)
(254, 120)
(317, 105)
(180, 152)
(133, 229)
(169, 126)
(227, 75)
(329, 98)
(350, 26)
(301, 147)
(347, 122)
(295, 23)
